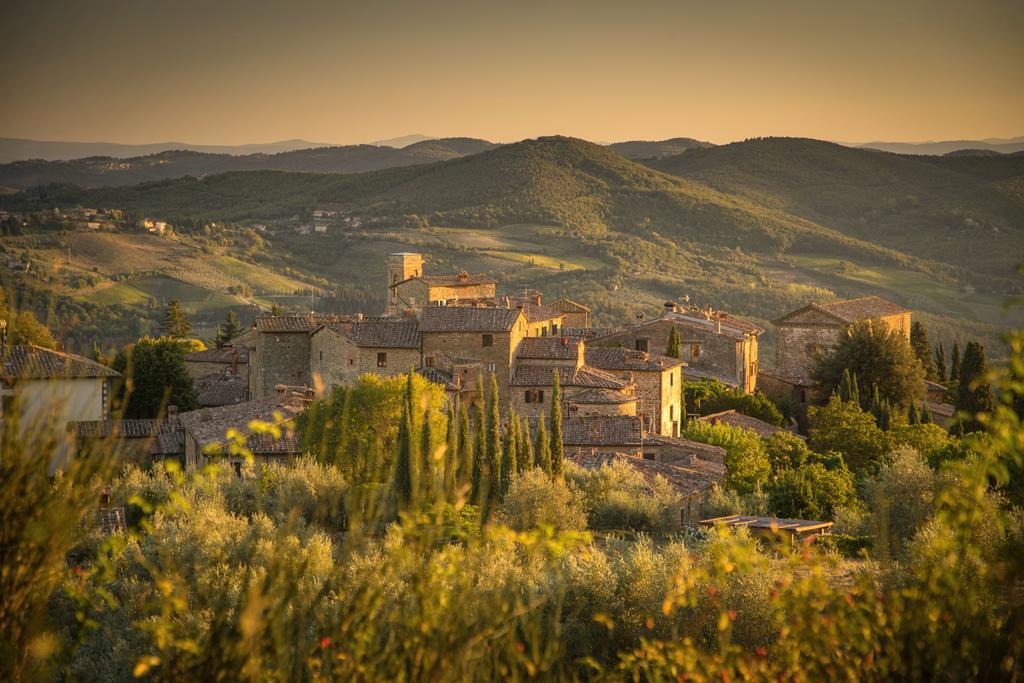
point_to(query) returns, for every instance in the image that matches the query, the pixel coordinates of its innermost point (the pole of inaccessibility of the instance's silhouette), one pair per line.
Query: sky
(234, 72)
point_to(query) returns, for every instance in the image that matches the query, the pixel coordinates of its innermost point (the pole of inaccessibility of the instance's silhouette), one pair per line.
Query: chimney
(536, 298)
(718, 325)
(172, 412)
(105, 497)
(234, 360)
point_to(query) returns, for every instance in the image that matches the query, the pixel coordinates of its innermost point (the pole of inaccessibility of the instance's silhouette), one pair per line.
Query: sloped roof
(599, 397)
(602, 430)
(698, 373)
(467, 319)
(532, 375)
(125, 429)
(568, 306)
(684, 480)
(734, 418)
(224, 355)
(626, 359)
(590, 332)
(219, 389)
(296, 323)
(535, 313)
(848, 311)
(772, 523)
(208, 426)
(549, 348)
(710, 458)
(437, 376)
(385, 334)
(864, 308)
(27, 361)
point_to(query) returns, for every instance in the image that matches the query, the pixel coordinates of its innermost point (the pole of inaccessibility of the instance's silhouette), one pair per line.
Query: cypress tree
(974, 395)
(557, 448)
(525, 446)
(510, 454)
(465, 453)
(855, 390)
(926, 414)
(922, 349)
(542, 450)
(428, 444)
(479, 454)
(672, 349)
(940, 363)
(492, 461)
(913, 417)
(846, 386)
(451, 454)
(403, 462)
(954, 365)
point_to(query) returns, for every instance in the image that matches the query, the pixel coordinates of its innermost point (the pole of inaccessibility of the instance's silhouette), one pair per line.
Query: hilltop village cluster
(621, 395)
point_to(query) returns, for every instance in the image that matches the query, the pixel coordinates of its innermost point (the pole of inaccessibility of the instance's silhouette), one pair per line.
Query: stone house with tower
(410, 289)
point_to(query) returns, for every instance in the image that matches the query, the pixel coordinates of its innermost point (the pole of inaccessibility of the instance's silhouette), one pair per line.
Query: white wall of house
(56, 402)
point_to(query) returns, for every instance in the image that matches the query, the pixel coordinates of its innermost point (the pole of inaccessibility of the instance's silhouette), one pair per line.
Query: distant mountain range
(16, 149)
(998, 145)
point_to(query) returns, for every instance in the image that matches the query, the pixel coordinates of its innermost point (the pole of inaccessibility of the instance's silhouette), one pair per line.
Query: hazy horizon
(236, 72)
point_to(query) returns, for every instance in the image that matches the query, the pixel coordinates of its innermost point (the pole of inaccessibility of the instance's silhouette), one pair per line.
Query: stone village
(621, 396)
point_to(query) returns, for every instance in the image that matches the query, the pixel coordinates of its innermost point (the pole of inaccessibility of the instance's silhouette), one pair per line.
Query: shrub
(535, 499)
(900, 499)
(843, 427)
(617, 497)
(746, 459)
(811, 492)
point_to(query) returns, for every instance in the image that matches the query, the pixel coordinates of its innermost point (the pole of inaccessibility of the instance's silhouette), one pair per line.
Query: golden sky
(231, 72)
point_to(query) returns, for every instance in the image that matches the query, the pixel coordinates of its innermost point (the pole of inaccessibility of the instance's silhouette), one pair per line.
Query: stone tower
(401, 267)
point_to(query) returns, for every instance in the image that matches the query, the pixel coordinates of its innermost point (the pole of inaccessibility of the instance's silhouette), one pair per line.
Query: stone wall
(280, 358)
(797, 344)
(336, 361)
(470, 345)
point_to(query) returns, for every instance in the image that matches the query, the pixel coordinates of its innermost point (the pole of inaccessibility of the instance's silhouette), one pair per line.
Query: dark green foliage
(705, 397)
(427, 469)
(466, 457)
(557, 447)
(525, 446)
(786, 451)
(848, 387)
(403, 479)
(175, 323)
(542, 449)
(156, 376)
(954, 365)
(23, 327)
(923, 350)
(229, 330)
(882, 409)
(940, 363)
(672, 350)
(843, 427)
(510, 454)
(974, 393)
(879, 358)
(811, 491)
(493, 455)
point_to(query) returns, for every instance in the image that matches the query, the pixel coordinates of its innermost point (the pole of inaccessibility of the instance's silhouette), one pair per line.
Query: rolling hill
(103, 171)
(647, 149)
(18, 149)
(757, 228)
(947, 209)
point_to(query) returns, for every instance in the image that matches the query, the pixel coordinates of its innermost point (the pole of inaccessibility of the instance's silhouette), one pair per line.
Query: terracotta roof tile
(390, 334)
(549, 348)
(626, 359)
(864, 308)
(734, 418)
(610, 430)
(219, 389)
(599, 397)
(296, 323)
(25, 361)
(467, 319)
(535, 375)
(223, 354)
(686, 481)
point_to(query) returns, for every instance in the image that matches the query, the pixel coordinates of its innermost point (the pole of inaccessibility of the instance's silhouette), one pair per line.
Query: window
(694, 351)
(351, 361)
(554, 329)
(382, 359)
(487, 340)
(534, 395)
(429, 361)
(671, 379)
(803, 396)
(641, 345)
(492, 366)
(671, 412)
(394, 279)
(543, 331)
(321, 356)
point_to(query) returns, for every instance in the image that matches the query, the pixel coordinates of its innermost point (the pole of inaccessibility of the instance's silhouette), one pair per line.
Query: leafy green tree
(974, 393)
(746, 459)
(155, 376)
(811, 492)
(229, 330)
(672, 350)
(711, 396)
(542, 451)
(23, 327)
(843, 427)
(275, 309)
(878, 357)
(900, 497)
(175, 323)
(557, 446)
(786, 451)
(923, 350)
(940, 363)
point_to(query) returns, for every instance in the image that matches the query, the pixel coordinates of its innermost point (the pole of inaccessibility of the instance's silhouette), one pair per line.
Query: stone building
(714, 345)
(574, 315)
(281, 354)
(489, 336)
(342, 351)
(410, 289)
(219, 360)
(808, 331)
(658, 380)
